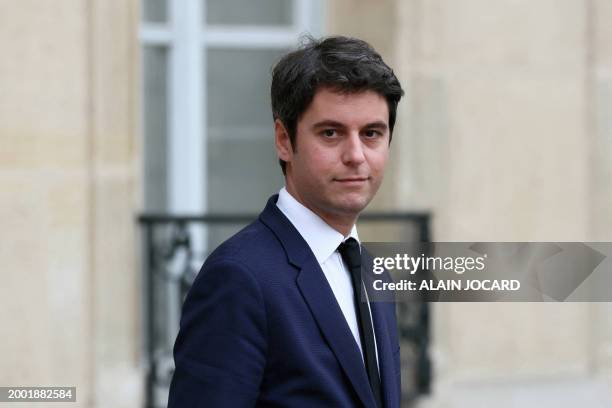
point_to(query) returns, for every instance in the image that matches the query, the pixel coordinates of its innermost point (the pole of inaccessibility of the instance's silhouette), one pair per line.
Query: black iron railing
(173, 252)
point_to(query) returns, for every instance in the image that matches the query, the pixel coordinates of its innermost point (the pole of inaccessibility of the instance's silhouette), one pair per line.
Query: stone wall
(70, 190)
(505, 135)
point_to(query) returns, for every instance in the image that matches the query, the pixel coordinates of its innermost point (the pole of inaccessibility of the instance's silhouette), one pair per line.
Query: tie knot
(349, 250)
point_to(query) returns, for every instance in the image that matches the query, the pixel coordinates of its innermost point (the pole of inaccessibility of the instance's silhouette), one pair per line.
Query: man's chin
(352, 207)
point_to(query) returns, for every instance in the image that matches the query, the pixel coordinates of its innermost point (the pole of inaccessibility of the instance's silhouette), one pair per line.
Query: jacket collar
(294, 245)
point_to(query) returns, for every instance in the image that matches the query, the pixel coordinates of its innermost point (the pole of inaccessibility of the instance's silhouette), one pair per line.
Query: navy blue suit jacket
(261, 327)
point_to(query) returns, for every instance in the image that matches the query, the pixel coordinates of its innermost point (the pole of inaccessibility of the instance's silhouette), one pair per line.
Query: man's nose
(352, 153)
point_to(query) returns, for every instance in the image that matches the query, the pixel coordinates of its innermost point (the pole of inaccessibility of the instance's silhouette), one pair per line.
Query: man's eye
(329, 132)
(372, 133)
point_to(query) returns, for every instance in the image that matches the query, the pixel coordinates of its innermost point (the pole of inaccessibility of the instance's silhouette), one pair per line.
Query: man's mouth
(351, 180)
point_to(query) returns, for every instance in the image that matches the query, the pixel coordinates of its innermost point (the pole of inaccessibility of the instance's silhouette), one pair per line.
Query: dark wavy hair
(342, 63)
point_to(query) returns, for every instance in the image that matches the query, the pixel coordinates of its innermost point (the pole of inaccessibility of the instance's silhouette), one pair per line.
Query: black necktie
(352, 257)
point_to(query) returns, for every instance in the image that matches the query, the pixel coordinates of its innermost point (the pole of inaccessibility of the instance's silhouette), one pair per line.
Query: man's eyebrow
(335, 124)
(328, 123)
(378, 124)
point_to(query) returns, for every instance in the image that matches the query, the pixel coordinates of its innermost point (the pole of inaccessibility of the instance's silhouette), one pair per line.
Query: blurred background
(135, 135)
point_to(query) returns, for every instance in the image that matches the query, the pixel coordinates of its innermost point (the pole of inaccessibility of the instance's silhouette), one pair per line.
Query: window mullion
(187, 178)
(187, 145)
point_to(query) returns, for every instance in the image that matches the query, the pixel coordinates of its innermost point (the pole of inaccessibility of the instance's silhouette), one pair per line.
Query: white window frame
(186, 35)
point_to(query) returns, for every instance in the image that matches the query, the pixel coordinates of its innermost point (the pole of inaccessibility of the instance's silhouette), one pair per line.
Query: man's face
(341, 148)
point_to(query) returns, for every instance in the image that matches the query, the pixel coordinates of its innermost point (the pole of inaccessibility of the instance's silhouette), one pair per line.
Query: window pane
(249, 12)
(242, 166)
(155, 11)
(238, 82)
(155, 115)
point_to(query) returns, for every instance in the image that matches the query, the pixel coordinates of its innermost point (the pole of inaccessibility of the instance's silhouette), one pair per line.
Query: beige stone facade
(69, 173)
(505, 134)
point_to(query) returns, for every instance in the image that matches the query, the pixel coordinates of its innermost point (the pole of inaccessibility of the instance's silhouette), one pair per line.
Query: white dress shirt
(323, 240)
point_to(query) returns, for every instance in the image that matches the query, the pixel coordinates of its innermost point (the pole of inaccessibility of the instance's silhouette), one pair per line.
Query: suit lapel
(380, 309)
(328, 315)
(385, 355)
(321, 300)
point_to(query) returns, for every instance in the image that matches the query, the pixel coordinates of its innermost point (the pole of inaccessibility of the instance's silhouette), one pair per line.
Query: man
(274, 318)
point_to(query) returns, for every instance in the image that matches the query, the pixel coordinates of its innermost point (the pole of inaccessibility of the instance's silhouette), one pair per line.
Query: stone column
(116, 190)
(45, 220)
(69, 155)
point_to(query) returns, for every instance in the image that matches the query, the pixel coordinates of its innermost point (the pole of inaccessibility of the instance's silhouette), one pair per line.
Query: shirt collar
(322, 239)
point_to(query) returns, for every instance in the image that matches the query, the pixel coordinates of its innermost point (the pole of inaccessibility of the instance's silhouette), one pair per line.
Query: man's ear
(284, 150)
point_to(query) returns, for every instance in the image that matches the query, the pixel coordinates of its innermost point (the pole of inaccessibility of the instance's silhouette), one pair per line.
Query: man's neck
(342, 224)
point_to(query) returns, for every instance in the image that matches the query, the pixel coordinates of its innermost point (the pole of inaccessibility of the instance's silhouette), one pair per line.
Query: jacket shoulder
(252, 246)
